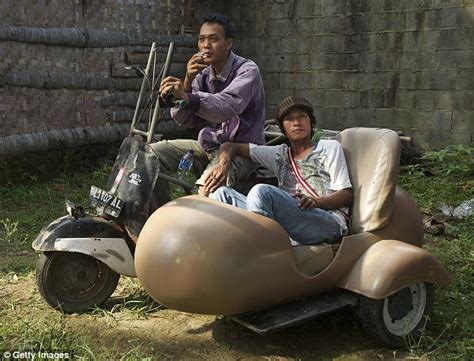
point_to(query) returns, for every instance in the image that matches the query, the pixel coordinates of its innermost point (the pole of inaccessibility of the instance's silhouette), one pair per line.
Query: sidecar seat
(372, 157)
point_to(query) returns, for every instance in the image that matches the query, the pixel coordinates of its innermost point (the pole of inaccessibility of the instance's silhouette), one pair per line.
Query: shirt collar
(225, 71)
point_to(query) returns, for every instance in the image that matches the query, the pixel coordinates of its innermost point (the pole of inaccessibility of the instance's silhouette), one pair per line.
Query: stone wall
(62, 63)
(405, 64)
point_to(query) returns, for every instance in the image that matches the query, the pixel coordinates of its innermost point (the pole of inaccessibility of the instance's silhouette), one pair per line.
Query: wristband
(181, 103)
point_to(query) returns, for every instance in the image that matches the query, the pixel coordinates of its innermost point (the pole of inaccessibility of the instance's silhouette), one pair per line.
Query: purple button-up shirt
(234, 100)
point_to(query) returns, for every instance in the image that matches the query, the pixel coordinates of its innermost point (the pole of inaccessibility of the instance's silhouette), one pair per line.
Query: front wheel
(397, 320)
(74, 282)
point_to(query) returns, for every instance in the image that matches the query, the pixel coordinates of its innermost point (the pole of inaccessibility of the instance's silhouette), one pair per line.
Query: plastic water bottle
(185, 165)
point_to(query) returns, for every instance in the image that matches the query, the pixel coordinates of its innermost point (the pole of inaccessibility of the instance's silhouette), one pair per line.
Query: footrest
(290, 314)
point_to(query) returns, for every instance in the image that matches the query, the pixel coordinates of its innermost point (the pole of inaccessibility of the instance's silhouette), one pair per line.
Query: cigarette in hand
(202, 54)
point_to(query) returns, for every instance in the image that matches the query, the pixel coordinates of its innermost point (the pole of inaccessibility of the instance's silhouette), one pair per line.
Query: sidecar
(198, 255)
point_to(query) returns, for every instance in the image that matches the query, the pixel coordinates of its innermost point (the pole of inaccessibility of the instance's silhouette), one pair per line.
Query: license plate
(104, 202)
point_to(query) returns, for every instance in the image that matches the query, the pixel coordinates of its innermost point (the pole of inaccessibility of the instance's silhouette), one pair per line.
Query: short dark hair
(222, 20)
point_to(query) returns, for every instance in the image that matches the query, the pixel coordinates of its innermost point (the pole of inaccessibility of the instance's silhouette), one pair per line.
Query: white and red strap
(305, 184)
(298, 176)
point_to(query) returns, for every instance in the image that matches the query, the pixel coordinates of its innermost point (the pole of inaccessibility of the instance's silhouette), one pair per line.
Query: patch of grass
(136, 303)
(446, 178)
(27, 323)
(28, 328)
(454, 307)
(430, 192)
(177, 191)
(27, 208)
(10, 245)
(453, 161)
(450, 332)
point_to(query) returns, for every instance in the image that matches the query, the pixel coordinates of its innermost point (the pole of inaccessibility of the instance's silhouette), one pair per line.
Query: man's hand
(173, 85)
(338, 199)
(195, 66)
(306, 202)
(217, 177)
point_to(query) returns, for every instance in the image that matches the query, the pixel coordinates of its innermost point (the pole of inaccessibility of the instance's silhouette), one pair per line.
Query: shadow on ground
(172, 334)
(132, 325)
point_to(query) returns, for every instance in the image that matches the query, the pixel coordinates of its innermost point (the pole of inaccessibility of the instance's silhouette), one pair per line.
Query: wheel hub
(403, 311)
(400, 304)
(81, 275)
(77, 276)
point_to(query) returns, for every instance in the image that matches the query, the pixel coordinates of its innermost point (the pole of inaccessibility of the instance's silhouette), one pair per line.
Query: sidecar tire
(391, 322)
(74, 282)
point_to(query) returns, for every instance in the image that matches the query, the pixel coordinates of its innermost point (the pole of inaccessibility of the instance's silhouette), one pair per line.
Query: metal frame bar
(157, 110)
(142, 89)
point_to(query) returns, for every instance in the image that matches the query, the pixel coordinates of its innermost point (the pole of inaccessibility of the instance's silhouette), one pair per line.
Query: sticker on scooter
(118, 178)
(135, 178)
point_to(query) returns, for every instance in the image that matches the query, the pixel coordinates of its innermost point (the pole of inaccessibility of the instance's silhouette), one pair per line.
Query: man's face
(297, 125)
(213, 43)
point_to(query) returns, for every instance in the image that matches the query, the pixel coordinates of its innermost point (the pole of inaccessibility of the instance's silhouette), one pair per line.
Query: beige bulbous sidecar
(198, 255)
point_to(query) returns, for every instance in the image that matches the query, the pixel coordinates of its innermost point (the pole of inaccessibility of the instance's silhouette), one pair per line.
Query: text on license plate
(110, 203)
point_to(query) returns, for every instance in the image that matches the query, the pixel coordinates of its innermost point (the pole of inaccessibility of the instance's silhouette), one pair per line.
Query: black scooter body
(133, 180)
(88, 226)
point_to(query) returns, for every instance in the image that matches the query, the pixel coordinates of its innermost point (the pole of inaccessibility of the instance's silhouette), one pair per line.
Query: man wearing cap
(314, 190)
(223, 89)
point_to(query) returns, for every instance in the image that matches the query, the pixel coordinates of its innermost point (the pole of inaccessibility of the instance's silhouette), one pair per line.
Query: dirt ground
(169, 334)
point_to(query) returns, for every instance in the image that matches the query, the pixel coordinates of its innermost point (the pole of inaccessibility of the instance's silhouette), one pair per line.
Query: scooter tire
(74, 282)
(398, 320)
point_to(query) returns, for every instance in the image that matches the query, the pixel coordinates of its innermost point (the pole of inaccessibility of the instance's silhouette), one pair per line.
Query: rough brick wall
(405, 64)
(50, 86)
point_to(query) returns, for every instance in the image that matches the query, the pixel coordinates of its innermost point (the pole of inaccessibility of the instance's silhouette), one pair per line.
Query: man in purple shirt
(224, 89)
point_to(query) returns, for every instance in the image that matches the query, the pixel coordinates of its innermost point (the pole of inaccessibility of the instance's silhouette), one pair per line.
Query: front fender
(389, 266)
(89, 235)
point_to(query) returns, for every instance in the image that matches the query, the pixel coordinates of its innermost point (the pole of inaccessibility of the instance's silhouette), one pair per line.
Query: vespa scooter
(84, 254)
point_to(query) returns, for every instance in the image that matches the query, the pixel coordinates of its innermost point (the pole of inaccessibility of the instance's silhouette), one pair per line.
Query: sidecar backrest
(373, 157)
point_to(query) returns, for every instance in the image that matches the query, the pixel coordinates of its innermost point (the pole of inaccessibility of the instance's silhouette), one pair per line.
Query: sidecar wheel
(74, 282)
(398, 319)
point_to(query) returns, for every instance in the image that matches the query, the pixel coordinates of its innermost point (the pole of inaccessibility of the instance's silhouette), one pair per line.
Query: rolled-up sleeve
(183, 117)
(186, 117)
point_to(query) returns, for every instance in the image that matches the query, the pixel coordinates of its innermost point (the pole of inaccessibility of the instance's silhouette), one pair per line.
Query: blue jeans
(303, 226)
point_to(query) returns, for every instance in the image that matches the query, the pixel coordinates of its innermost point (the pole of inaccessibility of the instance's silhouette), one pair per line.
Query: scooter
(84, 254)
(194, 254)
